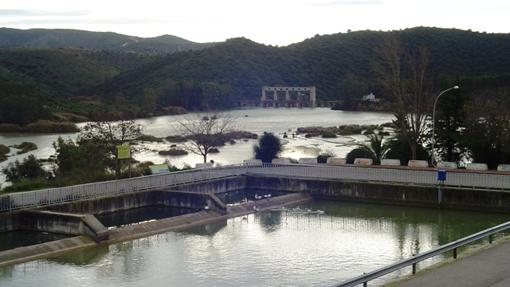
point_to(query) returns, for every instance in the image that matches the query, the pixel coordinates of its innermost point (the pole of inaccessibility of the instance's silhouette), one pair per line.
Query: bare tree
(403, 73)
(205, 133)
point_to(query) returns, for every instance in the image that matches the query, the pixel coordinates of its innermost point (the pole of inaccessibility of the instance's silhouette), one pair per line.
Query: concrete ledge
(186, 221)
(43, 250)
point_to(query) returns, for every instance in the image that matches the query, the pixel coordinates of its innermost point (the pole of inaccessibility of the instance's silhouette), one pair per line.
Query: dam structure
(289, 97)
(86, 214)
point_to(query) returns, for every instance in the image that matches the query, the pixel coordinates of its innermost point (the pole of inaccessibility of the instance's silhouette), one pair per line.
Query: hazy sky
(276, 22)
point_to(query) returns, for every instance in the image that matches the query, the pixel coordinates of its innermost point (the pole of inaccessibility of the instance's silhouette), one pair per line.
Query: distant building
(288, 97)
(370, 98)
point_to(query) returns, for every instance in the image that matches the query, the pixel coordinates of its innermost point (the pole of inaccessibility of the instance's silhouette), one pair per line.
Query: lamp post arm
(434, 123)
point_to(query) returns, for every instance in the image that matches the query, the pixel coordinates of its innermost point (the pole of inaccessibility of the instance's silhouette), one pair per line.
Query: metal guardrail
(45, 197)
(365, 278)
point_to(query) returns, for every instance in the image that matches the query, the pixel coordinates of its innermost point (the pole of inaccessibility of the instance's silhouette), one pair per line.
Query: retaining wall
(428, 196)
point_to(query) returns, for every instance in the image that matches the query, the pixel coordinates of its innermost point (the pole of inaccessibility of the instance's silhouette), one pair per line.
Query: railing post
(454, 253)
(490, 239)
(414, 268)
(365, 284)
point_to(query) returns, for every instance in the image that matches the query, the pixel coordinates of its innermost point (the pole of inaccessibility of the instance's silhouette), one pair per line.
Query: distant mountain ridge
(79, 39)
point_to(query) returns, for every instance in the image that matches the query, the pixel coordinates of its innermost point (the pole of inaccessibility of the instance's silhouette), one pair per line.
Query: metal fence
(51, 196)
(346, 172)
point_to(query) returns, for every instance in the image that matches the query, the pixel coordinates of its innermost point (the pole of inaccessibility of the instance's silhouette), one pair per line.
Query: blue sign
(441, 175)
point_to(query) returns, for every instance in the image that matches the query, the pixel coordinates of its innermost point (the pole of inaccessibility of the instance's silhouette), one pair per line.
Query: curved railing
(452, 246)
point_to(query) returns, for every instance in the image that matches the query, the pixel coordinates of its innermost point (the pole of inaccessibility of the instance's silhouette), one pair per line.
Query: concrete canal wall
(54, 222)
(178, 199)
(405, 194)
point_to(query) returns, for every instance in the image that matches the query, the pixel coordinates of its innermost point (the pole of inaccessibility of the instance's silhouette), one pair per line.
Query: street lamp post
(434, 123)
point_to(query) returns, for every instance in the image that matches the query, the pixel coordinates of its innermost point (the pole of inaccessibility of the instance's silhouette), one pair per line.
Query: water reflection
(20, 238)
(263, 249)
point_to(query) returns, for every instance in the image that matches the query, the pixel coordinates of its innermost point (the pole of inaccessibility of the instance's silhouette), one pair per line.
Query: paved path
(490, 267)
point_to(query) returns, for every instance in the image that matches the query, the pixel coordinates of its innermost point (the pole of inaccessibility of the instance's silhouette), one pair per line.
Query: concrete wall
(217, 186)
(9, 221)
(107, 204)
(428, 196)
(177, 199)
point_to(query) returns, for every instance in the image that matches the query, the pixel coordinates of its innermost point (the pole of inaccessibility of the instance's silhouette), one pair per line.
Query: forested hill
(340, 65)
(85, 81)
(78, 39)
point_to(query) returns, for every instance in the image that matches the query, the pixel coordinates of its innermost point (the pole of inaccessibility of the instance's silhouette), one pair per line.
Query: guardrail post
(454, 253)
(414, 268)
(490, 239)
(365, 284)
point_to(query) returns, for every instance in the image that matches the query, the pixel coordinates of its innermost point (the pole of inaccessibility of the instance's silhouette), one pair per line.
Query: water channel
(264, 249)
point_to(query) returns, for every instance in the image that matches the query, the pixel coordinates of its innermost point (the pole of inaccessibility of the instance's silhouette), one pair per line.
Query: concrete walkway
(490, 267)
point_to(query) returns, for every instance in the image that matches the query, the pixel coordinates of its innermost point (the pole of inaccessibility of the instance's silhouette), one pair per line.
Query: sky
(272, 22)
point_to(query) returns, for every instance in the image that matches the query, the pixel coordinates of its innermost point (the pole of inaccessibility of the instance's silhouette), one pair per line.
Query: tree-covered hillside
(78, 39)
(341, 66)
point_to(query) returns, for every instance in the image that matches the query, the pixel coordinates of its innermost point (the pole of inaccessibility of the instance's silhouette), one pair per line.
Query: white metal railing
(50, 196)
(466, 179)
(479, 180)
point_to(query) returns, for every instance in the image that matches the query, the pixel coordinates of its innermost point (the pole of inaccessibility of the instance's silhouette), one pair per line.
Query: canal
(278, 248)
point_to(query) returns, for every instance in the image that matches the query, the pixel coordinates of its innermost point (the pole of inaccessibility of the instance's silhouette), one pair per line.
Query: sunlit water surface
(264, 249)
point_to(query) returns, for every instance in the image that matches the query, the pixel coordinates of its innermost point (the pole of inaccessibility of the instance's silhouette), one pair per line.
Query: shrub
(359, 153)
(268, 148)
(29, 168)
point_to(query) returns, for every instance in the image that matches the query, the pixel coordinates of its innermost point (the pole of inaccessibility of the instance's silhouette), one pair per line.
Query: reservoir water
(256, 120)
(263, 249)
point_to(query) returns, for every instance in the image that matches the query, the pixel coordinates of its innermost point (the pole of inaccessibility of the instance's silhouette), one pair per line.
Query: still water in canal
(263, 249)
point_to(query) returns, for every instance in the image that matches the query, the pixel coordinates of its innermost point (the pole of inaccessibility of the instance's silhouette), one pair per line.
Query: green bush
(29, 168)
(268, 148)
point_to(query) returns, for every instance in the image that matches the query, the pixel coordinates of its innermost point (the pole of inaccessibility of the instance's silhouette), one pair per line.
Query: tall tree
(110, 134)
(403, 73)
(487, 132)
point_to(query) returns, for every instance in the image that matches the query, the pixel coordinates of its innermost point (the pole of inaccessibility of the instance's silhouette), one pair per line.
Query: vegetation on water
(332, 132)
(268, 148)
(4, 150)
(176, 139)
(149, 138)
(174, 152)
(25, 147)
(40, 126)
